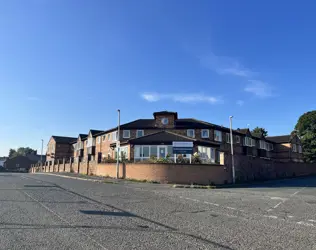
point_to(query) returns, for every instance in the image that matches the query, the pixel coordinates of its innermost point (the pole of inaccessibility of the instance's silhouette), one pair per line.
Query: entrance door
(162, 151)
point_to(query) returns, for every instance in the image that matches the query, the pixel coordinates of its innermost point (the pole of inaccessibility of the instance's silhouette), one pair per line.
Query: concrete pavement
(50, 212)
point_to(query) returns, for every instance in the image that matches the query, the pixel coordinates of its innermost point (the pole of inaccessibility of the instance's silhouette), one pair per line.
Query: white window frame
(237, 139)
(208, 133)
(220, 135)
(227, 137)
(114, 136)
(188, 133)
(294, 149)
(207, 154)
(129, 133)
(249, 142)
(99, 139)
(138, 130)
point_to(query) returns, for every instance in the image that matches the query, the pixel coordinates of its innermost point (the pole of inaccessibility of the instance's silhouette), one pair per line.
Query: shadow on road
(108, 213)
(306, 181)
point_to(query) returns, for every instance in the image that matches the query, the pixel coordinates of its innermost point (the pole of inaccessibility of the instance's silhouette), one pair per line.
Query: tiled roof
(95, 132)
(280, 138)
(184, 123)
(166, 137)
(83, 136)
(63, 139)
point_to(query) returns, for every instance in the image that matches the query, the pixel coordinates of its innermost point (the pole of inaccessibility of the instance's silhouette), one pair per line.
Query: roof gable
(63, 139)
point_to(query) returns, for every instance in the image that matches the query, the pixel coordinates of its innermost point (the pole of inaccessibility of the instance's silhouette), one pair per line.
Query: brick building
(287, 147)
(59, 147)
(145, 138)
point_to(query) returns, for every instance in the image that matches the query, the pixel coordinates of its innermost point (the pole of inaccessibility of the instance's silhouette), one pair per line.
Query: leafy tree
(306, 130)
(259, 131)
(12, 153)
(21, 151)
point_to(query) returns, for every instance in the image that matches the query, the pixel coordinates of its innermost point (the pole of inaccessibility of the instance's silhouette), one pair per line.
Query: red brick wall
(168, 173)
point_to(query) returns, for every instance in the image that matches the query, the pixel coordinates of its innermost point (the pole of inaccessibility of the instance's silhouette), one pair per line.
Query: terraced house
(288, 147)
(59, 147)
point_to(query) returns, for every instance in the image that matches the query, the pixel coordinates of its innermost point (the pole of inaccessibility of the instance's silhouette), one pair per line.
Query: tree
(258, 131)
(21, 151)
(12, 153)
(306, 130)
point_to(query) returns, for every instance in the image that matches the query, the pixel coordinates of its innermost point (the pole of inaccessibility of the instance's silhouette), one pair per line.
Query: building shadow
(295, 182)
(106, 213)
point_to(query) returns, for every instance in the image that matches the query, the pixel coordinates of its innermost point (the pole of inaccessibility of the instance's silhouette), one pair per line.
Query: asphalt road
(50, 212)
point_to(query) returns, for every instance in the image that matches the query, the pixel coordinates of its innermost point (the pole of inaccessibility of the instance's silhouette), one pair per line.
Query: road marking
(232, 208)
(305, 224)
(278, 204)
(62, 219)
(290, 216)
(298, 191)
(312, 220)
(210, 203)
(278, 198)
(192, 199)
(270, 216)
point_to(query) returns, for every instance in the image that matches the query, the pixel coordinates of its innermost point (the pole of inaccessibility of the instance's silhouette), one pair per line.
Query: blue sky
(67, 66)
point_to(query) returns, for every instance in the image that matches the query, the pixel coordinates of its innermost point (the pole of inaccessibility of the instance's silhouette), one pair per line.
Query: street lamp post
(118, 144)
(42, 151)
(232, 147)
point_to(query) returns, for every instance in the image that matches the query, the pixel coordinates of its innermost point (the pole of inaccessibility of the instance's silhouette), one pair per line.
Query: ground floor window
(145, 152)
(123, 152)
(207, 154)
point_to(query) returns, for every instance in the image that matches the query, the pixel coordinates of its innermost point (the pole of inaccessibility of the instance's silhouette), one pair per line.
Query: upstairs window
(205, 133)
(139, 133)
(227, 137)
(217, 135)
(126, 133)
(191, 133)
(99, 139)
(114, 136)
(294, 148)
(103, 138)
(237, 139)
(300, 149)
(249, 142)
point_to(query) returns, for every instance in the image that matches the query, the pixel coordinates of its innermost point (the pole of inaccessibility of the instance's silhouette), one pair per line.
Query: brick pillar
(70, 165)
(58, 162)
(88, 167)
(78, 167)
(64, 163)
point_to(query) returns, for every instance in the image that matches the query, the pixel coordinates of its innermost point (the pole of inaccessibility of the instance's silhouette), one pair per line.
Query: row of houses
(142, 139)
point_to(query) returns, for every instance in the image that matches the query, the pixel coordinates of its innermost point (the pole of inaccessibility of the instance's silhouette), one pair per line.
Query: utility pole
(232, 147)
(118, 144)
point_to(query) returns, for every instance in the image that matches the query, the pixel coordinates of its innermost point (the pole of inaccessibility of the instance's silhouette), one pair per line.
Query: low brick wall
(247, 169)
(168, 173)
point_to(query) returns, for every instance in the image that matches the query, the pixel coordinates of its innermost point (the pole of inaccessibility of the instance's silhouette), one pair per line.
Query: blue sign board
(182, 150)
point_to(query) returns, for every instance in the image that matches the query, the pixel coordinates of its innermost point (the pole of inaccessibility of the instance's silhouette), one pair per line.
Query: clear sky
(67, 65)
